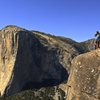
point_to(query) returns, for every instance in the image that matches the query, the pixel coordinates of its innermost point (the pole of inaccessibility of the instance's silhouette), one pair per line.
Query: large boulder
(84, 79)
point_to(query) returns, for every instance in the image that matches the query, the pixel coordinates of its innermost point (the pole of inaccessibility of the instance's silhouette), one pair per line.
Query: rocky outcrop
(84, 79)
(31, 59)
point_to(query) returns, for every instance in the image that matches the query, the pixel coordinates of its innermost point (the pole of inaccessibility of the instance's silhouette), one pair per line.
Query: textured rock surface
(31, 59)
(84, 79)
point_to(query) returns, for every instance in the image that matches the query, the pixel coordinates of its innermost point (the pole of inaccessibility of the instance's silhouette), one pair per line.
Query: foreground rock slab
(84, 79)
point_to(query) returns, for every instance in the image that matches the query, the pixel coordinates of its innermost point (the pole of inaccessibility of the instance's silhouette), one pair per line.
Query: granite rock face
(84, 79)
(31, 59)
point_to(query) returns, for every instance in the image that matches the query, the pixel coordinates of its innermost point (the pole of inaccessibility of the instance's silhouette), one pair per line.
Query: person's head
(97, 32)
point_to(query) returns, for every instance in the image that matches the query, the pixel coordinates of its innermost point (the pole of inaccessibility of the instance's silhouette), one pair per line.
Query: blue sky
(76, 19)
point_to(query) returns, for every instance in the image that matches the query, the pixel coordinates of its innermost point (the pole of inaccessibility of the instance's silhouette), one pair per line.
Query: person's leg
(99, 44)
(96, 45)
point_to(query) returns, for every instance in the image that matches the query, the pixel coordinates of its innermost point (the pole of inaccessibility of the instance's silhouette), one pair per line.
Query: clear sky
(76, 19)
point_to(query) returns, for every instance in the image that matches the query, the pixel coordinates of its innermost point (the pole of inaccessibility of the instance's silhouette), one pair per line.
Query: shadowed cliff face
(26, 63)
(35, 66)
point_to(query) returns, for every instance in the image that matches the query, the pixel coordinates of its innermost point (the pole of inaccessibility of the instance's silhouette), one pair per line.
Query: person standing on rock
(97, 45)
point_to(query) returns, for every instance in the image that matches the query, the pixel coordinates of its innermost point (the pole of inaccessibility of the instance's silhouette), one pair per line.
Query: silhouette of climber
(97, 45)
